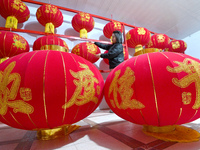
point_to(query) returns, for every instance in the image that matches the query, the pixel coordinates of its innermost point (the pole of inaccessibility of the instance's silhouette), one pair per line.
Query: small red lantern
(87, 50)
(126, 56)
(160, 41)
(178, 46)
(50, 17)
(110, 27)
(138, 37)
(12, 44)
(158, 90)
(14, 11)
(43, 90)
(83, 23)
(50, 42)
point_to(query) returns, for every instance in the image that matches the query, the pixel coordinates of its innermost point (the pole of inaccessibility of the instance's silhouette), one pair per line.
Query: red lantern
(14, 11)
(12, 44)
(178, 46)
(49, 16)
(110, 27)
(138, 37)
(50, 42)
(48, 89)
(87, 51)
(83, 23)
(158, 89)
(160, 41)
(126, 56)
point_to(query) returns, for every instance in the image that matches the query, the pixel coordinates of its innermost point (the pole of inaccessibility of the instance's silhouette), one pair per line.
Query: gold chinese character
(91, 48)
(19, 42)
(128, 36)
(117, 25)
(9, 86)
(161, 38)
(141, 31)
(85, 90)
(175, 44)
(192, 68)
(122, 86)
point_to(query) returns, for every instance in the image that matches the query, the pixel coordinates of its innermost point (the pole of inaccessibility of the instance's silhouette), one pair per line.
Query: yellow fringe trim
(49, 134)
(180, 134)
(49, 28)
(11, 22)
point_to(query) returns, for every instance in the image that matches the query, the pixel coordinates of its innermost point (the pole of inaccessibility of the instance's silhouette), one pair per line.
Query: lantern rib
(44, 100)
(16, 120)
(32, 57)
(5, 119)
(156, 101)
(32, 121)
(64, 68)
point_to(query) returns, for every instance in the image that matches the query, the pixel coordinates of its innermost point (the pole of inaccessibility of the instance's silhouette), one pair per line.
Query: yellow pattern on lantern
(117, 25)
(128, 36)
(91, 48)
(19, 5)
(141, 31)
(19, 42)
(39, 13)
(123, 86)
(26, 94)
(185, 44)
(186, 98)
(7, 96)
(85, 91)
(76, 50)
(175, 44)
(192, 68)
(85, 16)
(51, 9)
(161, 38)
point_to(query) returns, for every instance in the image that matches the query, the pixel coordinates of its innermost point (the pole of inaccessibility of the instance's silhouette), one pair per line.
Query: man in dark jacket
(115, 53)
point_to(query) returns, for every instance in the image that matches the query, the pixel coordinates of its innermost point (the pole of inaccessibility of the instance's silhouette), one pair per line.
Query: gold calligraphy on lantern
(9, 87)
(192, 68)
(91, 48)
(141, 31)
(150, 44)
(85, 16)
(39, 13)
(18, 5)
(19, 42)
(122, 86)
(185, 44)
(128, 36)
(175, 44)
(186, 98)
(76, 50)
(51, 9)
(160, 38)
(85, 90)
(117, 25)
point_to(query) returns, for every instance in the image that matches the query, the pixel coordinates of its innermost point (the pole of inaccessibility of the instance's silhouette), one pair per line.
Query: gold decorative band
(146, 50)
(54, 47)
(156, 129)
(3, 59)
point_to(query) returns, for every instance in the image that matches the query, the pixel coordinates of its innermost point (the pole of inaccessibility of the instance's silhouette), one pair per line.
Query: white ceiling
(176, 18)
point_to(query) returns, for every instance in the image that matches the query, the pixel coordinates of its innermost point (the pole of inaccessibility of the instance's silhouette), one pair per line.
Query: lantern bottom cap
(179, 133)
(146, 50)
(49, 134)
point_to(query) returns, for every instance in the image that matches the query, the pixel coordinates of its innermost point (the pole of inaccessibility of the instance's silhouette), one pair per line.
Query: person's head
(117, 37)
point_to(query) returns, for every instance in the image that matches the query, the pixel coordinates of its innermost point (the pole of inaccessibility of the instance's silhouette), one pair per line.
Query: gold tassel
(174, 133)
(54, 47)
(83, 33)
(49, 134)
(3, 59)
(138, 48)
(11, 22)
(49, 28)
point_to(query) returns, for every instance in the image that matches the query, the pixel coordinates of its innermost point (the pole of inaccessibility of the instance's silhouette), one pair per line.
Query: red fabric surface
(110, 27)
(138, 36)
(83, 20)
(151, 83)
(178, 46)
(46, 81)
(14, 8)
(49, 40)
(87, 51)
(12, 44)
(49, 14)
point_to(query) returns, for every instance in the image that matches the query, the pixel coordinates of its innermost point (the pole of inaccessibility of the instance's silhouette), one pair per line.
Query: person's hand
(98, 55)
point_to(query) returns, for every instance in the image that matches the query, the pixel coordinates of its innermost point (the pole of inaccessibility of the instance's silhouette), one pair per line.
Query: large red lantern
(14, 11)
(138, 37)
(126, 56)
(50, 17)
(12, 44)
(83, 23)
(87, 50)
(110, 27)
(158, 90)
(178, 46)
(48, 89)
(160, 41)
(50, 42)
